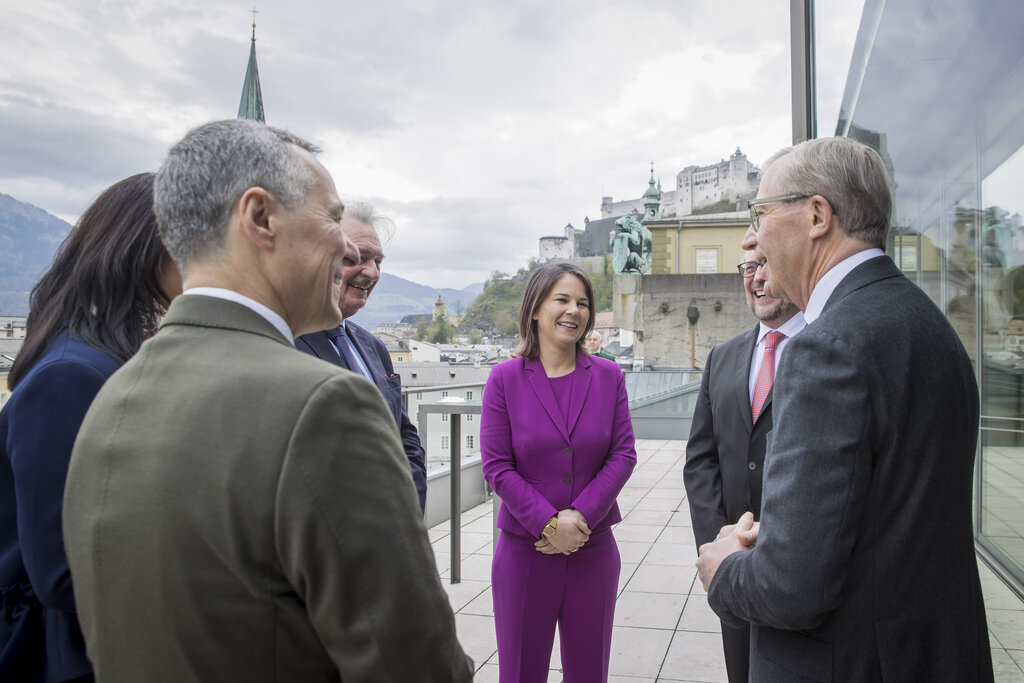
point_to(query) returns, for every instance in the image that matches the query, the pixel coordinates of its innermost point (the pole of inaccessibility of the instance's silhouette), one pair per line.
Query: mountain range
(29, 238)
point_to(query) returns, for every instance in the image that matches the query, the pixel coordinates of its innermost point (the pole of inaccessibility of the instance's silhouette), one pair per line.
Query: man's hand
(749, 537)
(731, 539)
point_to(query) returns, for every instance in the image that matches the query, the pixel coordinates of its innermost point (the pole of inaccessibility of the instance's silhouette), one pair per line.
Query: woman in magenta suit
(90, 312)
(557, 446)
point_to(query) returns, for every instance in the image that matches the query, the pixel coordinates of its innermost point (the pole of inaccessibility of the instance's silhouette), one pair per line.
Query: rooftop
(664, 629)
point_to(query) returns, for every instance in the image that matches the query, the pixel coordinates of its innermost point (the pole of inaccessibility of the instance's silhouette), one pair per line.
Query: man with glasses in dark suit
(864, 566)
(725, 451)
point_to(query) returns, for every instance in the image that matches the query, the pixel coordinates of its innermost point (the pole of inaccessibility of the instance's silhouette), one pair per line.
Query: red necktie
(766, 375)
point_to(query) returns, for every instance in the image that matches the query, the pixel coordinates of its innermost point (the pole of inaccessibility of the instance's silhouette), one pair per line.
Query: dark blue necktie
(341, 344)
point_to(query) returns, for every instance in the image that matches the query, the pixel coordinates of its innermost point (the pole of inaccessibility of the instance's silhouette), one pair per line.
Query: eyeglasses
(755, 218)
(748, 268)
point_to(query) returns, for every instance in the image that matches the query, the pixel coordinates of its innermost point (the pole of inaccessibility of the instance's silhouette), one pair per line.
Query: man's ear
(822, 217)
(255, 208)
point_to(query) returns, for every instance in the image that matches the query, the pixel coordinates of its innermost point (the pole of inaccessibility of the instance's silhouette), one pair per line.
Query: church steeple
(251, 105)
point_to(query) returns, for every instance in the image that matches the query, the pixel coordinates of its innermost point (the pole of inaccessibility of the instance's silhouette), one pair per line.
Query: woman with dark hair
(101, 298)
(557, 446)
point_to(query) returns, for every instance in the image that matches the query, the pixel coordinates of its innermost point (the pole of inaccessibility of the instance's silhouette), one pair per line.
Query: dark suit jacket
(38, 426)
(218, 529)
(724, 442)
(378, 361)
(865, 569)
(725, 460)
(536, 463)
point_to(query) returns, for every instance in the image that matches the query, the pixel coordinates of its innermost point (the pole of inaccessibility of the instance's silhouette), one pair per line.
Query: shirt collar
(830, 280)
(788, 328)
(255, 306)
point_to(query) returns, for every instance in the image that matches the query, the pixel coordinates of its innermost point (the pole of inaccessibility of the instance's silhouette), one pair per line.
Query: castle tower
(251, 105)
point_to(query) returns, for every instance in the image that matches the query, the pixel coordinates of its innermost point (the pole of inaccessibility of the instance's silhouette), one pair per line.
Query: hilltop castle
(718, 188)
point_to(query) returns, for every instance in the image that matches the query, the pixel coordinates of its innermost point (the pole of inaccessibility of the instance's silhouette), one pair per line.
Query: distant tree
(441, 330)
(496, 309)
(603, 280)
(476, 336)
(721, 206)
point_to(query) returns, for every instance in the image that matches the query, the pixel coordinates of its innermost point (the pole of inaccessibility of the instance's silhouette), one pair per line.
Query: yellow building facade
(697, 245)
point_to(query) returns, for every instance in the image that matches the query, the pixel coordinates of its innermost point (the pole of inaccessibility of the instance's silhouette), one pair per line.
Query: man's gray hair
(849, 174)
(211, 167)
(364, 212)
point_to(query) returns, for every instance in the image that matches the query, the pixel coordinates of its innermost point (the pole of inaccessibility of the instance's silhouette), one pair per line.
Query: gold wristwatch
(549, 528)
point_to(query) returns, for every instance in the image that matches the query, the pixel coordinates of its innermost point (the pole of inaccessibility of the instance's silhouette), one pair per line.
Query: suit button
(751, 465)
(568, 451)
(567, 481)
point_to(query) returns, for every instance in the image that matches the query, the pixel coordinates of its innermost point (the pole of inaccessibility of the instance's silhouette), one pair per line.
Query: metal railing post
(456, 490)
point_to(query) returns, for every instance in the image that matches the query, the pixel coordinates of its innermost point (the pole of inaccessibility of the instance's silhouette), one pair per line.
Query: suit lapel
(320, 344)
(542, 388)
(741, 377)
(580, 388)
(373, 364)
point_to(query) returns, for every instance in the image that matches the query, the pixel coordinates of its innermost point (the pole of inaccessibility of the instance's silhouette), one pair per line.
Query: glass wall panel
(1001, 282)
(938, 90)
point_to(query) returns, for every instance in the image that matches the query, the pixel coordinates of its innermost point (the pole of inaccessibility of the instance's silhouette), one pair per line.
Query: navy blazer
(540, 465)
(378, 362)
(38, 425)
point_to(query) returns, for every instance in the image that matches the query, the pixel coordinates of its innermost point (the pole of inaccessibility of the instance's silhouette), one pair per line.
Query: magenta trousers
(533, 591)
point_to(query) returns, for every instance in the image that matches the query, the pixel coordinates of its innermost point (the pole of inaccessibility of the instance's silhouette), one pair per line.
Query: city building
(12, 326)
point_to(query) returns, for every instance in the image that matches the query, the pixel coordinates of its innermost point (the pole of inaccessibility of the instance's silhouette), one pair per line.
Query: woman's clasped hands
(571, 532)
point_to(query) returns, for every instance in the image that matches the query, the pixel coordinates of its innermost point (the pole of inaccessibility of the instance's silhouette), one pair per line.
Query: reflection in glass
(1002, 281)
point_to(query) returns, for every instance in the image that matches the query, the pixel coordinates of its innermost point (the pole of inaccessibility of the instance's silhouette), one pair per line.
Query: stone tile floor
(664, 629)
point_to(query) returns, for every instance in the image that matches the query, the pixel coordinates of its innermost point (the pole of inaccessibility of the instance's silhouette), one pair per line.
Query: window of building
(469, 442)
(469, 417)
(444, 443)
(469, 395)
(444, 394)
(419, 395)
(444, 417)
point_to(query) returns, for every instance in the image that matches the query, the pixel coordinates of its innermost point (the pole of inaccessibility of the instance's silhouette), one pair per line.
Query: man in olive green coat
(216, 526)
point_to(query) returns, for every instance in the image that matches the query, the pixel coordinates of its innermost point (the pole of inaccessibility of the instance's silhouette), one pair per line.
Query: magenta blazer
(536, 463)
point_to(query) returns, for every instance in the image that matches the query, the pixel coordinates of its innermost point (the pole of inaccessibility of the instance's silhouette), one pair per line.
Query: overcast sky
(479, 126)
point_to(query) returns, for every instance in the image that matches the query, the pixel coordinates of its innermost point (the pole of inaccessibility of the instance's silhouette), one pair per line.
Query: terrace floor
(664, 629)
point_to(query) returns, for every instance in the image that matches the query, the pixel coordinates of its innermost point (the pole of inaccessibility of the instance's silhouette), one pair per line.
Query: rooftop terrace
(664, 629)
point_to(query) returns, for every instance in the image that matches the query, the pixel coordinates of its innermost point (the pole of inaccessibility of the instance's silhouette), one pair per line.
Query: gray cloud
(480, 126)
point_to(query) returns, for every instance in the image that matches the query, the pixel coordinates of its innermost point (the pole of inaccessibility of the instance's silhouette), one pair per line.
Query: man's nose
(351, 257)
(749, 239)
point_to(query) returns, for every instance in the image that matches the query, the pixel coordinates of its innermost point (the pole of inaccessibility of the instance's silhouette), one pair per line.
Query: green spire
(652, 199)
(251, 105)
